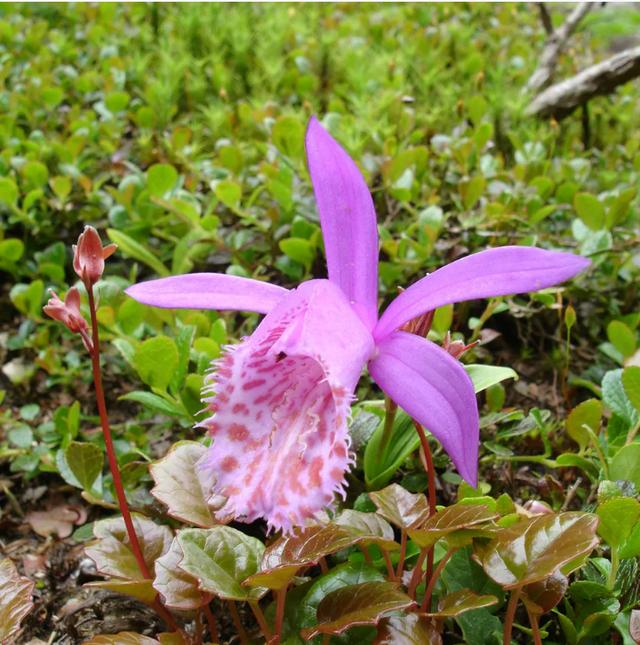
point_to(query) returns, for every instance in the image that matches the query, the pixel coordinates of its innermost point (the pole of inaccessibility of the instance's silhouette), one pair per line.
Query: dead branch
(555, 43)
(561, 99)
(545, 17)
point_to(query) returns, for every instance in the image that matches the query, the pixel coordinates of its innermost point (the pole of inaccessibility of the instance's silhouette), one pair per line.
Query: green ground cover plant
(177, 134)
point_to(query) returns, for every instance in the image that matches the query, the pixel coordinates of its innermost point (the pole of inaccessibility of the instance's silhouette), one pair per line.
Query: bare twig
(556, 42)
(563, 98)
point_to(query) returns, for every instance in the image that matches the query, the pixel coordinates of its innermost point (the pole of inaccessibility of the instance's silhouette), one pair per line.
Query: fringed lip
(280, 403)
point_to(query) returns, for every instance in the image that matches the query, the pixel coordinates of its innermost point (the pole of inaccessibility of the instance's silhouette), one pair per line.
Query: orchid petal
(501, 271)
(208, 291)
(435, 390)
(348, 221)
(280, 401)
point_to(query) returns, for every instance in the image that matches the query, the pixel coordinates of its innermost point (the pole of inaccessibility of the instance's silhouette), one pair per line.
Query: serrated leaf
(484, 376)
(155, 360)
(362, 604)
(112, 552)
(459, 602)
(449, 520)
(588, 413)
(402, 508)
(15, 599)
(221, 558)
(85, 460)
(537, 547)
(631, 384)
(407, 629)
(178, 589)
(184, 488)
(132, 248)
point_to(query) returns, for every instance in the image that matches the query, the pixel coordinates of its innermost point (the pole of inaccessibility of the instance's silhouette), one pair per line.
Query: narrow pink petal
(280, 401)
(502, 271)
(434, 389)
(208, 291)
(348, 221)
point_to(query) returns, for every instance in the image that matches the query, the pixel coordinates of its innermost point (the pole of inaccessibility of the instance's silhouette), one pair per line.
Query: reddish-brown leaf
(402, 508)
(458, 602)
(542, 596)
(407, 629)
(15, 599)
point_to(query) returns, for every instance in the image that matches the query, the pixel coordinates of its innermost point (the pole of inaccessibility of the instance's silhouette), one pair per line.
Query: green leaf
(459, 602)
(141, 590)
(134, 249)
(85, 460)
(117, 101)
(537, 547)
(183, 488)
(8, 191)
(589, 210)
(11, 250)
(228, 192)
(407, 629)
(471, 191)
(626, 464)
(589, 414)
(35, 174)
(299, 250)
(221, 558)
(15, 599)
(288, 136)
(484, 376)
(161, 178)
(112, 552)
(178, 589)
(155, 360)
(631, 385)
(618, 518)
(622, 338)
(380, 465)
(399, 506)
(61, 186)
(615, 397)
(362, 604)
(155, 403)
(27, 298)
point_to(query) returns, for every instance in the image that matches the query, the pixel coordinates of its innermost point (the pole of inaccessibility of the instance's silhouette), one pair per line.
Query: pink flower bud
(89, 256)
(534, 507)
(455, 347)
(67, 312)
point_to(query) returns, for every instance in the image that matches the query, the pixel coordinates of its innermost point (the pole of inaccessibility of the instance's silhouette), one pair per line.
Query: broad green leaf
(288, 136)
(85, 460)
(382, 462)
(472, 190)
(619, 517)
(337, 577)
(626, 464)
(117, 101)
(537, 547)
(221, 558)
(183, 488)
(621, 337)
(11, 250)
(35, 173)
(161, 178)
(155, 360)
(27, 298)
(178, 589)
(61, 186)
(407, 629)
(589, 210)
(484, 376)
(8, 191)
(631, 384)
(615, 398)
(299, 250)
(588, 413)
(132, 248)
(402, 508)
(362, 604)
(155, 403)
(228, 192)
(449, 520)
(111, 550)
(459, 602)
(15, 599)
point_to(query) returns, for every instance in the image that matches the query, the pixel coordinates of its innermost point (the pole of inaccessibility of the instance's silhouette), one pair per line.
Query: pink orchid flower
(281, 398)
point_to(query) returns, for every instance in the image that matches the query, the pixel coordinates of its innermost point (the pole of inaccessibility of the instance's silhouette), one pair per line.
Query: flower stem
(262, 621)
(235, 616)
(403, 553)
(510, 615)
(108, 441)
(390, 409)
(213, 624)
(391, 574)
(535, 628)
(426, 602)
(280, 605)
(417, 573)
